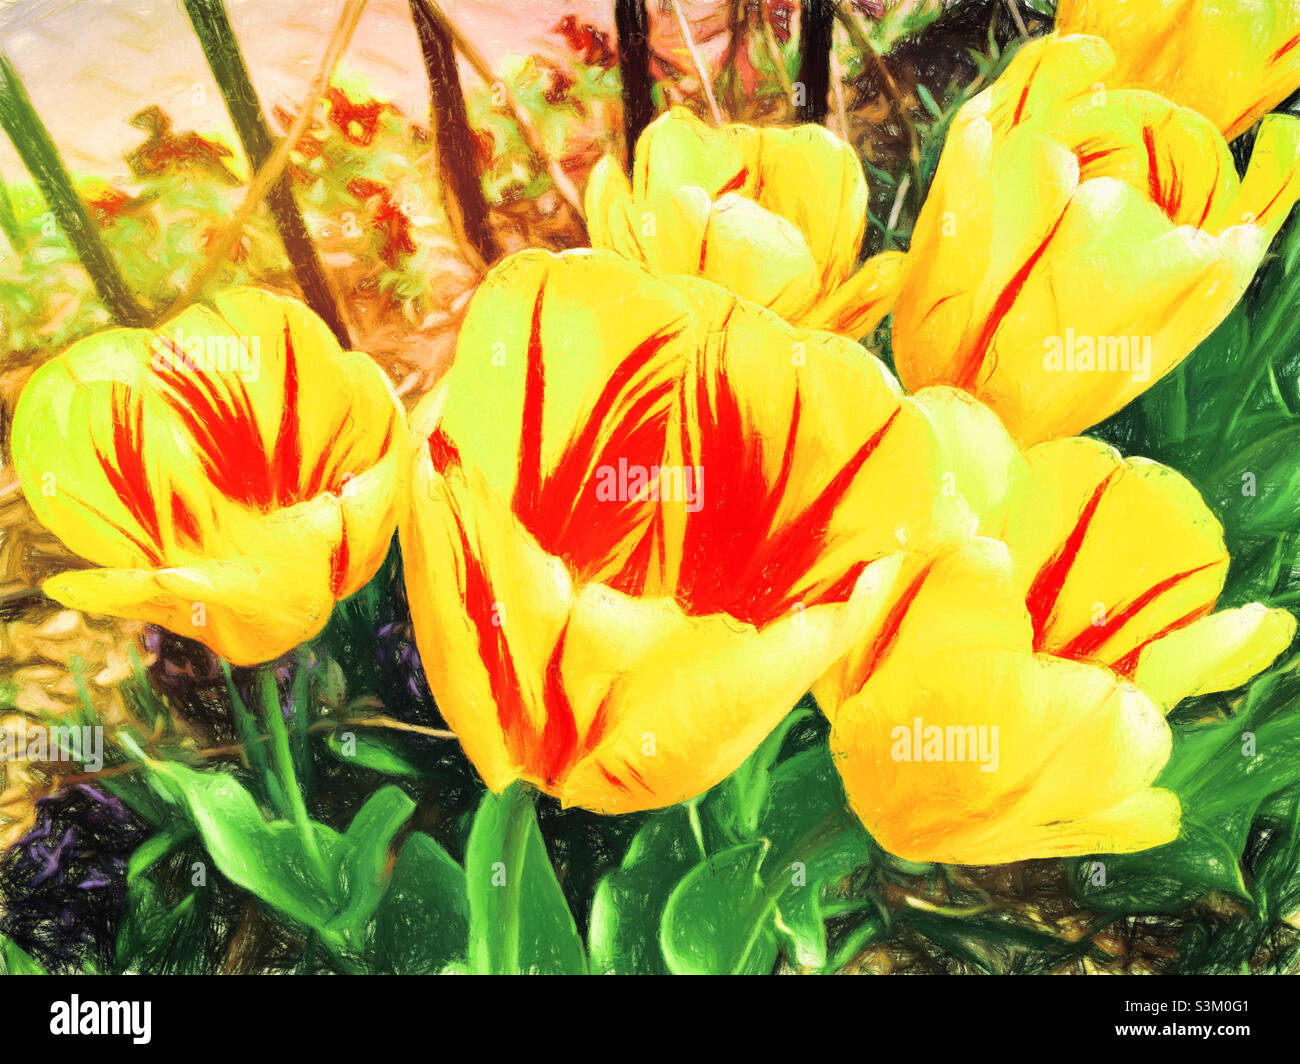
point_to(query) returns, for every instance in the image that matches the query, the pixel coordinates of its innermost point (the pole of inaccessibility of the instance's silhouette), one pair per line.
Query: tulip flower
(1078, 242)
(645, 517)
(775, 215)
(1011, 703)
(1232, 62)
(233, 474)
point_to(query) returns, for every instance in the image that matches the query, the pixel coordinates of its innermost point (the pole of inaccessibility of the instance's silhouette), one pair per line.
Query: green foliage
(14, 961)
(1228, 418)
(422, 925)
(735, 880)
(519, 921)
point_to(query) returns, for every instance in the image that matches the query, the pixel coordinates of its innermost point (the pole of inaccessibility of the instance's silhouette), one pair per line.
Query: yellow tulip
(233, 473)
(1232, 62)
(775, 215)
(1078, 242)
(1011, 704)
(645, 517)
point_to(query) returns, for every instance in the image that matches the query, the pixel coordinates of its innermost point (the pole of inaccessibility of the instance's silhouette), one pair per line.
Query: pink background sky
(91, 64)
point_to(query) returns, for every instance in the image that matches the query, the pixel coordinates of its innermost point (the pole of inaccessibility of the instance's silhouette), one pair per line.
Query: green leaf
(422, 925)
(154, 849)
(268, 858)
(363, 857)
(16, 961)
(623, 932)
(719, 919)
(264, 857)
(1203, 858)
(519, 920)
(366, 751)
(817, 843)
(747, 787)
(155, 938)
(1223, 774)
(733, 912)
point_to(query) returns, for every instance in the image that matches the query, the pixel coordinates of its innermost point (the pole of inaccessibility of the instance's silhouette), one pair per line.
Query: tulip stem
(519, 814)
(251, 743)
(282, 758)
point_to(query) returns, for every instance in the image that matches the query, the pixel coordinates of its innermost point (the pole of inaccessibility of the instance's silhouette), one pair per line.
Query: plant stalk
(41, 156)
(212, 25)
(455, 139)
(632, 24)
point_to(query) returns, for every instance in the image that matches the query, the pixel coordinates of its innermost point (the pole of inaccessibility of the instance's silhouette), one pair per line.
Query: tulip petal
(249, 609)
(684, 700)
(488, 607)
(96, 459)
(1216, 653)
(562, 687)
(1231, 62)
(1036, 756)
(1272, 183)
(1110, 554)
(978, 456)
(774, 168)
(608, 189)
(187, 462)
(861, 303)
(1084, 337)
(608, 374)
(731, 241)
(791, 163)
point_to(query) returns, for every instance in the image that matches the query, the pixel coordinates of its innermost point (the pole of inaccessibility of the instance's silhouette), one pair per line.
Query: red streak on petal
(1128, 664)
(887, 638)
(493, 648)
(340, 559)
(442, 451)
(968, 372)
(559, 739)
(1286, 48)
(735, 184)
(126, 472)
(286, 464)
(183, 520)
(615, 780)
(1087, 642)
(1046, 588)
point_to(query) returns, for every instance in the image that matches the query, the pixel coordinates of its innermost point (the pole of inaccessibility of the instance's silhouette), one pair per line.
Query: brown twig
(527, 127)
(701, 70)
(632, 25)
(1016, 17)
(456, 158)
(816, 33)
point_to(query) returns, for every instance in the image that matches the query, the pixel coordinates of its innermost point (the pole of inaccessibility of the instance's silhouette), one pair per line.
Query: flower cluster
(663, 491)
